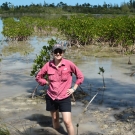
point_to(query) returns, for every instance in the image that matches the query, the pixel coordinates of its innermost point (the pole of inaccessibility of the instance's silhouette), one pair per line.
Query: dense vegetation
(60, 8)
(82, 30)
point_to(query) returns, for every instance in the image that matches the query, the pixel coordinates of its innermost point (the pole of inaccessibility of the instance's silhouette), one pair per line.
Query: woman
(59, 72)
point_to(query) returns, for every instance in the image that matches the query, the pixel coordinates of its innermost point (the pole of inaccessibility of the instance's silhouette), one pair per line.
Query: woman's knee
(55, 115)
(67, 118)
(67, 122)
(55, 118)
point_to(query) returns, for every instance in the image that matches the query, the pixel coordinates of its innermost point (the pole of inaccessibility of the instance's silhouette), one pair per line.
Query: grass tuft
(4, 130)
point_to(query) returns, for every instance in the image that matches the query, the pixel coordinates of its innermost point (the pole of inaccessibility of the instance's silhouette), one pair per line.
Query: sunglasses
(58, 51)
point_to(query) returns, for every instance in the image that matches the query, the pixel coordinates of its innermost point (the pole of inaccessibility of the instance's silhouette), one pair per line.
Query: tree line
(62, 8)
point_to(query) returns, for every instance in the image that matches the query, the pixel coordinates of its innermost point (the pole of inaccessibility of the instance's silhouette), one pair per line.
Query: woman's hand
(70, 91)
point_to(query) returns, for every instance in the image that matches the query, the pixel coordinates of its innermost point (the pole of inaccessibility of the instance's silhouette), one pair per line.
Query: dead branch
(34, 91)
(132, 73)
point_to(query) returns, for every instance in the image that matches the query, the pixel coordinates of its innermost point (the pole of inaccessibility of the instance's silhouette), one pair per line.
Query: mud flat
(22, 114)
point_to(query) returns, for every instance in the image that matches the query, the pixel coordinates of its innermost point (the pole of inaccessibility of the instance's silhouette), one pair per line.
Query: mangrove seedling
(101, 71)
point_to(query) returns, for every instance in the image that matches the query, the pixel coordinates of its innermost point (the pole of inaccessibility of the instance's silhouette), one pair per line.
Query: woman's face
(58, 54)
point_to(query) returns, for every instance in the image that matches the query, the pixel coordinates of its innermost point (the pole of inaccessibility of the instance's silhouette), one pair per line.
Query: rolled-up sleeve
(78, 73)
(41, 74)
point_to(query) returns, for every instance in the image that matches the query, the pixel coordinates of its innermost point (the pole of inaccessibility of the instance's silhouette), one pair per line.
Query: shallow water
(120, 86)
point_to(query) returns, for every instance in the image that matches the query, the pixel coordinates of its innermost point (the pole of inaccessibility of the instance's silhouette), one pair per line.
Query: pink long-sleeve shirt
(60, 79)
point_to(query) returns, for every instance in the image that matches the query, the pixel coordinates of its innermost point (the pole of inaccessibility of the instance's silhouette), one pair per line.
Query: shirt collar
(62, 62)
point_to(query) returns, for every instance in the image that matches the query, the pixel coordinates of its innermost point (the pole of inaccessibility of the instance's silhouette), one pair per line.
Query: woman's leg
(55, 119)
(68, 122)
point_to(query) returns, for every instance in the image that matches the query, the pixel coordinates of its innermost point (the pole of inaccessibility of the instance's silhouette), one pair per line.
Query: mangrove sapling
(43, 57)
(77, 125)
(101, 71)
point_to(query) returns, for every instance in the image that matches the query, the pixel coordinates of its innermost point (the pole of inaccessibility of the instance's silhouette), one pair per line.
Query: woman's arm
(78, 74)
(40, 76)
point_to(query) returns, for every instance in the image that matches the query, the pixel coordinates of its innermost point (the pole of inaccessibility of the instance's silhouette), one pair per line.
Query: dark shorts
(63, 105)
